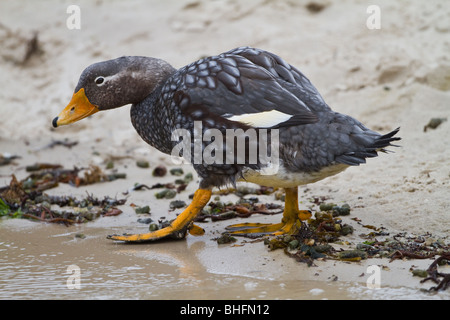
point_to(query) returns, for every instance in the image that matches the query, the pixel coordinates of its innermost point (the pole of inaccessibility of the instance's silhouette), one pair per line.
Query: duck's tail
(368, 146)
(385, 141)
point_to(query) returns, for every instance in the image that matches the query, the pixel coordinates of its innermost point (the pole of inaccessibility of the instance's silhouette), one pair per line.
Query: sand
(395, 76)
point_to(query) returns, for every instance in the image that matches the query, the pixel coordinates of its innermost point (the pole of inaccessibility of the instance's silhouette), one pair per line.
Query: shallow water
(36, 261)
(33, 266)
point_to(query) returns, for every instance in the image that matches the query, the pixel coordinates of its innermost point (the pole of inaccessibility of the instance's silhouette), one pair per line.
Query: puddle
(43, 261)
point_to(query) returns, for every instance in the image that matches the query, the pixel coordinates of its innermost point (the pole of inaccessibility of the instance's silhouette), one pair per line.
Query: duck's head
(112, 84)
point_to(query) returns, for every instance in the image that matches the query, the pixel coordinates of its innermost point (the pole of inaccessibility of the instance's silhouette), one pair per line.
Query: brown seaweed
(31, 203)
(434, 274)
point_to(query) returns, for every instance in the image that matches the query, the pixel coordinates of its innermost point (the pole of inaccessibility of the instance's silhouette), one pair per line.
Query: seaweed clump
(311, 241)
(16, 201)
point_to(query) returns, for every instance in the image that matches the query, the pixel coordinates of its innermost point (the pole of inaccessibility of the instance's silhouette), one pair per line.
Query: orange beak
(78, 108)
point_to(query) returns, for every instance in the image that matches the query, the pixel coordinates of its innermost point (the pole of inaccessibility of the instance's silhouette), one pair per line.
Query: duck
(247, 93)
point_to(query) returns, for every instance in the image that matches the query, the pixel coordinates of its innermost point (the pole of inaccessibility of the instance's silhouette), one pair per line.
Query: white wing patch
(266, 119)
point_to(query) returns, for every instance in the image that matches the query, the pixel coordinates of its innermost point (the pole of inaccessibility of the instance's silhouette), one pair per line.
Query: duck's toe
(253, 230)
(178, 228)
(291, 222)
(164, 233)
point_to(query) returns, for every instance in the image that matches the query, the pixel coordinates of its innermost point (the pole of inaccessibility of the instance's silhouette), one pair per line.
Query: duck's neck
(153, 121)
(148, 115)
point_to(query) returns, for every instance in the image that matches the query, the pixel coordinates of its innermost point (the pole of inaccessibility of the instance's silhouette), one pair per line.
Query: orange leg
(178, 227)
(291, 220)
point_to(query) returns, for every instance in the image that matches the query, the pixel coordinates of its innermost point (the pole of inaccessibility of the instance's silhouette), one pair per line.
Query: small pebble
(225, 239)
(434, 123)
(188, 177)
(170, 194)
(327, 206)
(159, 171)
(343, 210)
(346, 229)
(140, 210)
(315, 7)
(166, 194)
(176, 172)
(145, 220)
(420, 273)
(115, 176)
(142, 164)
(352, 255)
(177, 204)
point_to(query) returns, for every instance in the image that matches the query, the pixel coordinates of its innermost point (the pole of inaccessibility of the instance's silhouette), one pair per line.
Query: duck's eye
(99, 80)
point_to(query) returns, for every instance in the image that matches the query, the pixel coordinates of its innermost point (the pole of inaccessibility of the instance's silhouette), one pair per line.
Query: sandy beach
(397, 75)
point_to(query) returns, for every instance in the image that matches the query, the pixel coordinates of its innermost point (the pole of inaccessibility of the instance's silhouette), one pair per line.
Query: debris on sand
(170, 189)
(25, 199)
(322, 237)
(6, 159)
(434, 274)
(310, 241)
(159, 171)
(176, 204)
(65, 143)
(166, 194)
(45, 176)
(14, 193)
(316, 7)
(176, 172)
(434, 123)
(142, 164)
(243, 208)
(224, 239)
(142, 210)
(352, 255)
(18, 47)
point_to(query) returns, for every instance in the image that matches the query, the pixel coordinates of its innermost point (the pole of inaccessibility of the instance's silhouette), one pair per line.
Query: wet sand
(395, 76)
(36, 259)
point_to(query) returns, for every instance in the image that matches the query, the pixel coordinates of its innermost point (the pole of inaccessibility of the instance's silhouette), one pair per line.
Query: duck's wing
(246, 85)
(287, 76)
